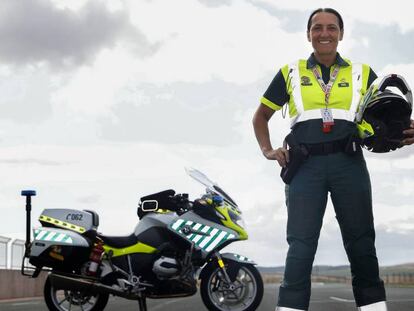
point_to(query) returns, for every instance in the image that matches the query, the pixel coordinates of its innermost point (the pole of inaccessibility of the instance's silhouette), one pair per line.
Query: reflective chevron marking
(39, 234)
(177, 224)
(46, 235)
(193, 235)
(205, 237)
(49, 236)
(60, 237)
(197, 237)
(216, 241)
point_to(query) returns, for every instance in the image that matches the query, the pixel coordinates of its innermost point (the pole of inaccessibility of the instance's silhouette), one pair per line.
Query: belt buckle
(328, 148)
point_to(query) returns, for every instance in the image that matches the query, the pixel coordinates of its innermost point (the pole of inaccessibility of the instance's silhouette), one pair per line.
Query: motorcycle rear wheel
(69, 300)
(245, 295)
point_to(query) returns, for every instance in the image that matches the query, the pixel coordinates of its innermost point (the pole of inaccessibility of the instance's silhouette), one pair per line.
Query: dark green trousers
(347, 180)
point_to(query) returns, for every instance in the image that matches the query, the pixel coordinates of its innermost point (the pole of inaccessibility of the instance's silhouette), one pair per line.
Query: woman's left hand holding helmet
(409, 133)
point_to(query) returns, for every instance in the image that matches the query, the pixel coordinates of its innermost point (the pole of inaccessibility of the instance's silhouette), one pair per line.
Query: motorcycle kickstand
(142, 302)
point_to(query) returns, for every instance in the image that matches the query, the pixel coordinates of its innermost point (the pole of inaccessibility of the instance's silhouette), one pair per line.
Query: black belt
(328, 147)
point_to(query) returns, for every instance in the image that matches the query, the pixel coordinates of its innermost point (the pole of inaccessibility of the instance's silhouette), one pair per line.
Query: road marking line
(341, 299)
(162, 305)
(25, 303)
(400, 300)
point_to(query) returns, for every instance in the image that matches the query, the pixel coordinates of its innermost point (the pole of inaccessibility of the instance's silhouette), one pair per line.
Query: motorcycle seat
(120, 241)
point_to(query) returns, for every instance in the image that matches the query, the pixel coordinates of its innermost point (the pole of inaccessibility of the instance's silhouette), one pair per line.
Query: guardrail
(12, 283)
(4, 252)
(11, 253)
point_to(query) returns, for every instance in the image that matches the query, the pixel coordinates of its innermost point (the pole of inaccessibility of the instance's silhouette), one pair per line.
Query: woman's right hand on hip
(281, 155)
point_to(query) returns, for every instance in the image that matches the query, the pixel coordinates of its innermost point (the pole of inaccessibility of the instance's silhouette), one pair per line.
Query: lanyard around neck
(326, 88)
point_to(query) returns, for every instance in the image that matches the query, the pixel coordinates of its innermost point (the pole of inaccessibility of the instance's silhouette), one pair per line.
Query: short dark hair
(327, 10)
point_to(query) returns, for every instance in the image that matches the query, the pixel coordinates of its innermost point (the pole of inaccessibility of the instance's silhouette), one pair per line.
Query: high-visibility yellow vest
(307, 97)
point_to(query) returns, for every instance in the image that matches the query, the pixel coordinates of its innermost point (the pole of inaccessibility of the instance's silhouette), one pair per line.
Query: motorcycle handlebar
(181, 202)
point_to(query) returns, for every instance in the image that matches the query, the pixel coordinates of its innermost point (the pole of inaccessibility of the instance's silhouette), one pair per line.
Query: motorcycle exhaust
(59, 281)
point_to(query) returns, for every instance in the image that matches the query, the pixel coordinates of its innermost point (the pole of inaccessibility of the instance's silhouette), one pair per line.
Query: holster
(297, 155)
(353, 145)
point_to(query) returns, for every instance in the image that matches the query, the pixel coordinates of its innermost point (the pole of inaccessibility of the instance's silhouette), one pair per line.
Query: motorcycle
(175, 245)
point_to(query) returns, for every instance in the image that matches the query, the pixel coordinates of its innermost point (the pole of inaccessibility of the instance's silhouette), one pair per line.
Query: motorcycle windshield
(212, 186)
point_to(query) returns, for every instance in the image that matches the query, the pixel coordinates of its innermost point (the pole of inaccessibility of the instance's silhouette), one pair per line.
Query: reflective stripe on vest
(304, 115)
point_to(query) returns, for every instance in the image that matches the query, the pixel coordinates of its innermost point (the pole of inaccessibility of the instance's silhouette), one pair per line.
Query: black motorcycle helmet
(383, 114)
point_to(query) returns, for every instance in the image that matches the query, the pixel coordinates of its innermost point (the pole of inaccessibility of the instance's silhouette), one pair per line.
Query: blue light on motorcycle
(217, 199)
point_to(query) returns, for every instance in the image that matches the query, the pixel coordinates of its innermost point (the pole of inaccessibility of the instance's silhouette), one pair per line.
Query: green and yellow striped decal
(61, 224)
(48, 235)
(209, 237)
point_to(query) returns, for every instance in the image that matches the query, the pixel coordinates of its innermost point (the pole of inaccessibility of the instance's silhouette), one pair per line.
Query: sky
(103, 102)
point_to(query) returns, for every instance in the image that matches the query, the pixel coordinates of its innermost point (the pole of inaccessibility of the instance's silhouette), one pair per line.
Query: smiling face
(325, 34)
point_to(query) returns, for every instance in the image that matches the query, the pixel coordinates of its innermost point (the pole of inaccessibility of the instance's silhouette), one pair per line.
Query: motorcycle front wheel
(243, 294)
(69, 300)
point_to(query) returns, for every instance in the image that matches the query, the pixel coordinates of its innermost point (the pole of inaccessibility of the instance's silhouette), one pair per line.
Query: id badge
(327, 120)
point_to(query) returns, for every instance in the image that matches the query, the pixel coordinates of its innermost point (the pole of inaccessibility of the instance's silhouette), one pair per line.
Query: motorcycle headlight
(240, 222)
(237, 219)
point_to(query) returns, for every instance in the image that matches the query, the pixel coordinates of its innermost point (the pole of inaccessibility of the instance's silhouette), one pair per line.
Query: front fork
(222, 267)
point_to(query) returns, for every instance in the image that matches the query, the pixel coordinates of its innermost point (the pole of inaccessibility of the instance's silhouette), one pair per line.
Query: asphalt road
(325, 297)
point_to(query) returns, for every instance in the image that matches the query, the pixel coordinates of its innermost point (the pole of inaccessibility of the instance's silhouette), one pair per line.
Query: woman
(322, 94)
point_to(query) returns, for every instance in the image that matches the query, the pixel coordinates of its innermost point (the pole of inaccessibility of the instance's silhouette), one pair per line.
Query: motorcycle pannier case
(74, 220)
(62, 236)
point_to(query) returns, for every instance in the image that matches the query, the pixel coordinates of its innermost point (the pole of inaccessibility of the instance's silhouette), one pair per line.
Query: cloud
(180, 112)
(37, 31)
(266, 225)
(228, 53)
(26, 96)
(392, 47)
(235, 43)
(361, 41)
(215, 3)
(392, 247)
(89, 199)
(291, 20)
(385, 14)
(31, 162)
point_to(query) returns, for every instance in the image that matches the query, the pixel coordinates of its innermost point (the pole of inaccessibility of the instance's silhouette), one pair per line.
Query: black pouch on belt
(353, 146)
(297, 155)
